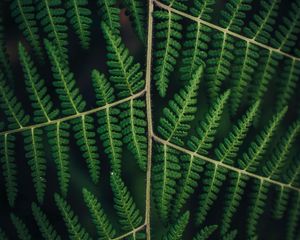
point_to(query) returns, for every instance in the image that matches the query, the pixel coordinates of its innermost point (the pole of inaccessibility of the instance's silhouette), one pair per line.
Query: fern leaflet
(175, 232)
(21, 228)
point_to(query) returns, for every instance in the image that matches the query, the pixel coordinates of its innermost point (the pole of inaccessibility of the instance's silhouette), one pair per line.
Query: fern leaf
(231, 235)
(281, 201)
(228, 149)
(168, 37)
(12, 108)
(246, 55)
(21, 228)
(58, 135)
(174, 125)
(36, 87)
(23, 12)
(80, 19)
(124, 72)
(51, 16)
(36, 160)
(129, 215)
(76, 231)
(137, 12)
(292, 173)
(261, 25)
(103, 226)
(287, 86)
(214, 176)
(176, 230)
(165, 173)
(286, 34)
(202, 9)
(293, 217)
(3, 235)
(206, 232)
(251, 158)
(134, 125)
(109, 130)
(177, 4)
(208, 127)
(4, 58)
(110, 14)
(47, 230)
(9, 168)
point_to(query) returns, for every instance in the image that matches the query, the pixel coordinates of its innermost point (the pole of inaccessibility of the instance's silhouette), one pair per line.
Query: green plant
(198, 141)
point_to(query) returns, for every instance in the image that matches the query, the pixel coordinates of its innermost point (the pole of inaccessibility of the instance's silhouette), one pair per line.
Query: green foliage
(21, 229)
(175, 232)
(110, 14)
(205, 232)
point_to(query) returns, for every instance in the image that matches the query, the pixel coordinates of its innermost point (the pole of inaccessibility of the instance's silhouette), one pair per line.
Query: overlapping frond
(168, 35)
(293, 217)
(47, 230)
(21, 229)
(23, 11)
(206, 232)
(76, 231)
(176, 230)
(100, 220)
(110, 14)
(80, 18)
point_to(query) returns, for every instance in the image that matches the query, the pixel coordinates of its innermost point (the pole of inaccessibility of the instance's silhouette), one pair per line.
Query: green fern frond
(168, 35)
(231, 235)
(58, 137)
(228, 149)
(137, 13)
(166, 171)
(47, 230)
(80, 19)
(287, 86)
(207, 128)
(129, 215)
(286, 35)
(174, 125)
(104, 228)
(251, 158)
(202, 9)
(23, 12)
(281, 202)
(110, 14)
(293, 217)
(206, 232)
(52, 18)
(124, 72)
(133, 123)
(176, 230)
(36, 160)
(109, 130)
(177, 4)
(11, 107)
(4, 58)
(76, 231)
(261, 25)
(21, 228)
(292, 173)
(246, 55)
(3, 235)
(36, 87)
(9, 168)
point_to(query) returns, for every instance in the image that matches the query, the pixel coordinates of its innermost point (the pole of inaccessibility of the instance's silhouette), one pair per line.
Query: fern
(205, 232)
(293, 217)
(110, 14)
(3, 235)
(21, 229)
(80, 18)
(176, 231)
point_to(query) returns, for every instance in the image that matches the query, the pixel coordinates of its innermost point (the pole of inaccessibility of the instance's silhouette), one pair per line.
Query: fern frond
(124, 72)
(214, 176)
(3, 235)
(176, 230)
(36, 160)
(80, 19)
(52, 18)
(166, 171)
(47, 230)
(251, 158)
(286, 34)
(281, 201)
(207, 128)
(76, 231)
(21, 228)
(287, 86)
(293, 217)
(110, 14)
(109, 130)
(246, 56)
(231, 235)
(129, 215)
(261, 25)
(138, 15)
(206, 232)
(168, 35)
(292, 173)
(58, 135)
(23, 12)
(103, 226)
(228, 149)
(9, 168)
(177, 4)
(36, 87)
(174, 125)
(133, 123)
(12, 108)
